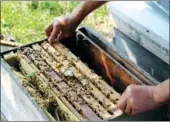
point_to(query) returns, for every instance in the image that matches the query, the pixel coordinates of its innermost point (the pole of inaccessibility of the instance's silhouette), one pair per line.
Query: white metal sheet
(15, 105)
(144, 23)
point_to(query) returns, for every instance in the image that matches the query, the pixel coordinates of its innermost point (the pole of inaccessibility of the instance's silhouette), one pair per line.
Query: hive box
(92, 49)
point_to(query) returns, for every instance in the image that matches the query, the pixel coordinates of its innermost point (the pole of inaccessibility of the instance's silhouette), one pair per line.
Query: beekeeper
(136, 98)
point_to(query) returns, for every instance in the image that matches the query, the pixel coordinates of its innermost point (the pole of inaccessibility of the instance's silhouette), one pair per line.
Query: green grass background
(25, 21)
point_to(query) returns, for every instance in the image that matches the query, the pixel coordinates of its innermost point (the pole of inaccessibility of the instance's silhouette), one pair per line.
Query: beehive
(62, 84)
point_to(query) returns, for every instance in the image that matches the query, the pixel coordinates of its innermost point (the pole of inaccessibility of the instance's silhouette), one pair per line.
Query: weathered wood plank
(9, 43)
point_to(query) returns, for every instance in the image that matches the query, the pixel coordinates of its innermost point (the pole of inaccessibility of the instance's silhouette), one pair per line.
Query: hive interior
(63, 86)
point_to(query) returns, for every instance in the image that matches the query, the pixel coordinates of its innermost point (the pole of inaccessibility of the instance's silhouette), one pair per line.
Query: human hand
(61, 28)
(137, 99)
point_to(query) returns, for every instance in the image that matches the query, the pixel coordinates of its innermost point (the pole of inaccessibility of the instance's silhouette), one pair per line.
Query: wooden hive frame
(46, 66)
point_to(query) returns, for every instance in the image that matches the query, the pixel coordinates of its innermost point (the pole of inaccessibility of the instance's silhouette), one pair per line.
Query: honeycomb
(63, 86)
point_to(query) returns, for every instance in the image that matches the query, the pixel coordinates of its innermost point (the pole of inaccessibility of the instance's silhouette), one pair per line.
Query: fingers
(128, 109)
(123, 101)
(55, 32)
(49, 29)
(59, 29)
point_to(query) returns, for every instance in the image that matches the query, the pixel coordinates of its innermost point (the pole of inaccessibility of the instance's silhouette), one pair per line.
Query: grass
(25, 21)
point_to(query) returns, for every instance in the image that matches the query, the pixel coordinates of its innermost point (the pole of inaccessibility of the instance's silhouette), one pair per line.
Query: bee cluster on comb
(62, 84)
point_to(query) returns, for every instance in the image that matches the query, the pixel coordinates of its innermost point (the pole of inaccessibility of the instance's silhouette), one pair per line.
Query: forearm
(84, 8)
(161, 92)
